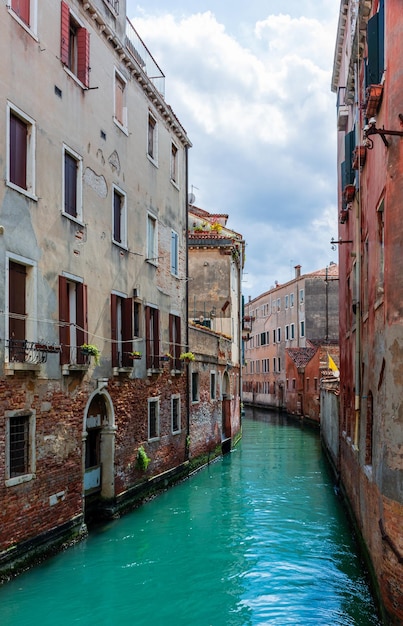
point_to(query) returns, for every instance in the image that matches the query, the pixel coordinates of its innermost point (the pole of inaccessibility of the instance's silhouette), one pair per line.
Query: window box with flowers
(135, 356)
(187, 357)
(91, 350)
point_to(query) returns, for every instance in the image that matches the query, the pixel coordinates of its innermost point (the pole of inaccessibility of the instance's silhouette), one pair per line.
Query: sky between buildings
(250, 82)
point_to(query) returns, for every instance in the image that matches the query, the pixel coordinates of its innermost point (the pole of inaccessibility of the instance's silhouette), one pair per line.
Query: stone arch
(99, 444)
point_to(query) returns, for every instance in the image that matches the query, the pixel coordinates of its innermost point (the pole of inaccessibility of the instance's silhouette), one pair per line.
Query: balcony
(143, 57)
(23, 355)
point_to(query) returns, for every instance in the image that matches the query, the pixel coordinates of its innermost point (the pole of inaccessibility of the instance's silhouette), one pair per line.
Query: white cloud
(261, 118)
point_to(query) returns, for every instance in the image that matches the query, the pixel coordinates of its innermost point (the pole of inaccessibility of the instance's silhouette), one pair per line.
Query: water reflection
(258, 537)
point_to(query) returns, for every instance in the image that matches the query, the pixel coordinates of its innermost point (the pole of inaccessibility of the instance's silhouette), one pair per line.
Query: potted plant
(92, 350)
(142, 460)
(216, 226)
(135, 355)
(187, 357)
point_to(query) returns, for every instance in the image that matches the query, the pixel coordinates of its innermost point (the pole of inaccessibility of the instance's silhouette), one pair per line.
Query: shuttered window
(18, 151)
(175, 340)
(73, 323)
(17, 311)
(70, 185)
(375, 40)
(152, 338)
(74, 45)
(22, 9)
(121, 330)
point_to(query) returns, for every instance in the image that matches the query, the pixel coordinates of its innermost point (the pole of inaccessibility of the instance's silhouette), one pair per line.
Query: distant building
(93, 204)
(368, 82)
(216, 259)
(288, 332)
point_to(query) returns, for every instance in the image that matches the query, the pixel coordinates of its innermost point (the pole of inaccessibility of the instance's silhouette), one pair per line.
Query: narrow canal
(258, 537)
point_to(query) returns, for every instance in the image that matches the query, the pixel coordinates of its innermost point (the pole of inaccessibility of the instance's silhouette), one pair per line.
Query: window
(113, 6)
(174, 163)
(120, 116)
(292, 331)
(375, 39)
(152, 254)
(286, 302)
(263, 339)
(195, 387)
(21, 288)
(121, 330)
(74, 46)
(152, 138)
(287, 332)
(153, 418)
(25, 12)
(72, 185)
(119, 217)
(278, 335)
(20, 447)
(21, 151)
(301, 296)
(174, 253)
(279, 364)
(278, 304)
(293, 383)
(175, 340)
(274, 364)
(274, 335)
(213, 385)
(175, 413)
(302, 323)
(307, 384)
(291, 299)
(152, 337)
(73, 319)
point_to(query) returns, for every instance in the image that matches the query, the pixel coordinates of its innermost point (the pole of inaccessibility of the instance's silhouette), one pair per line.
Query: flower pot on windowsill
(374, 95)
(349, 193)
(359, 156)
(135, 356)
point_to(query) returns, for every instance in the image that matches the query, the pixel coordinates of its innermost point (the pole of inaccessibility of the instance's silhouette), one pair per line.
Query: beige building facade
(93, 227)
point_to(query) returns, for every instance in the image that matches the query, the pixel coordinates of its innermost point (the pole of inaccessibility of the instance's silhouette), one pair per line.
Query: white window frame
(292, 331)
(152, 240)
(301, 296)
(279, 335)
(175, 398)
(123, 218)
(155, 401)
(79, 217)
(291, 300)
(286, 302)
(302, 328)
(31, 297)
(31, 149)
(32, 28)
(154, 156)
(195, 397)
(22, 478)
(174, 253)
(123, 125)
(287, 332)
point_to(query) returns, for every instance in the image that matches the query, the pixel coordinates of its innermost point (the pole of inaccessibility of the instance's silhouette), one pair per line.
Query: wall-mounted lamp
(371, 129)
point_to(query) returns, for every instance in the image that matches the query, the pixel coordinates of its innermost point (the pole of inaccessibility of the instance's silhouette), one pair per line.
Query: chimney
(297, 271)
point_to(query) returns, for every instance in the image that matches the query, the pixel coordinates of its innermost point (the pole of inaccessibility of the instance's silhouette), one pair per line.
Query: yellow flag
(332, 364)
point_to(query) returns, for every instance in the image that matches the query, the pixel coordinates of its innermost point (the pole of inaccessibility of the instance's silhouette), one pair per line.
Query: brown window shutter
(117, 213)
(119, 87)
(81, 316)
(83, 62)
(114, 306)
(21, 8)
(156, 324)
(127, 330)
(17, 303)
(64, 33)
(18, 151)
(64, 333)
(148, 346)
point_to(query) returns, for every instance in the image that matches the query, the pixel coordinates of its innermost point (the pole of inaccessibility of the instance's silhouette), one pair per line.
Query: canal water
(257, 537)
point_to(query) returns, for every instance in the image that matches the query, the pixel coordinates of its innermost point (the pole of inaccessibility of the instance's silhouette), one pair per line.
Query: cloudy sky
(250, 82)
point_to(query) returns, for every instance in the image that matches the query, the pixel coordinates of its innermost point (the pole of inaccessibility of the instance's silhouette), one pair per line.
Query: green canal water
(258, 537)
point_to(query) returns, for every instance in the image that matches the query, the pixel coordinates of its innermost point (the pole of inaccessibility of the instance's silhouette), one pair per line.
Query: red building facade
(368, 83)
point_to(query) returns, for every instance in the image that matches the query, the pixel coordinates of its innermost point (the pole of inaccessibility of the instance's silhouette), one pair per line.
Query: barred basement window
(175, 413)
(153, 418)
(20, 446)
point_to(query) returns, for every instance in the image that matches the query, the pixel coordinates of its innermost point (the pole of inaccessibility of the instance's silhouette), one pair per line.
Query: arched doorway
(99, 446)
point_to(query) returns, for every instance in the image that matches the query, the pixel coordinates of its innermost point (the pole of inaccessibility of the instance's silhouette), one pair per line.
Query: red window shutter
(83, 53)
(81, 316)
(64, 33)
(156, 326)
(127, 330)
(114, 309)
(21, 8)
(148, 336)
(17, 303)
(64, 334)
(18, 151)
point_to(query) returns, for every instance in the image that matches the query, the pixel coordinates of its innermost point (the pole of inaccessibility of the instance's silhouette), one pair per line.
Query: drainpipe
(357, 399)
(187, 303)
